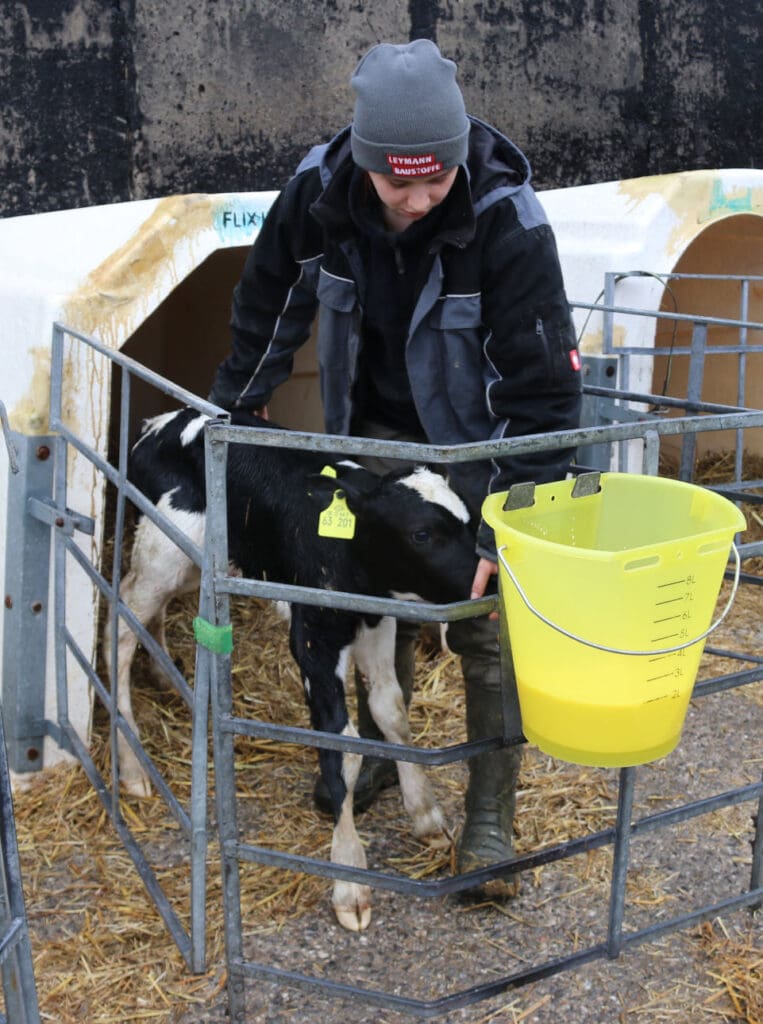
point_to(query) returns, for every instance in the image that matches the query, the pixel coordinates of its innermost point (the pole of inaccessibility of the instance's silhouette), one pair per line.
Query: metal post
(651, 459)
(19, 987)
(756, 874)
(215, 607)
(608, 348)
(205, 666)
(608, 317)
(512, 716)
(742, 376)
(693, 394)
(598, 371)
(620, 862)
(27, 568)
(116, 575)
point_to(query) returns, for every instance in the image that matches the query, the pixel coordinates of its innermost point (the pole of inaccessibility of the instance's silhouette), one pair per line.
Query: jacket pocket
(457, 312)
(338, 293)
(557, 341)
(337, 323)
(458, 365)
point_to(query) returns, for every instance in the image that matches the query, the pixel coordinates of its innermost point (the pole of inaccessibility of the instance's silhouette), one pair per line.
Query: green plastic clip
(218, 639)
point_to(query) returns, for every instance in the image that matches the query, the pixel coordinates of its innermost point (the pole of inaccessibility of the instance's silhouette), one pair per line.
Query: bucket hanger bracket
(587, 484)
(519, 496)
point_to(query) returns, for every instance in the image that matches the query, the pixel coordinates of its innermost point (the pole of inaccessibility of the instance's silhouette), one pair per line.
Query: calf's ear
(321, 490)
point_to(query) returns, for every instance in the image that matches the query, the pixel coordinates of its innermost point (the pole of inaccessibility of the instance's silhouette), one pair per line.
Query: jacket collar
(495, 168)
(342, 208)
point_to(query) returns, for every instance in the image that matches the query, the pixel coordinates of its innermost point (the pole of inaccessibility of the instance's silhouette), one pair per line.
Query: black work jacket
(491, 351)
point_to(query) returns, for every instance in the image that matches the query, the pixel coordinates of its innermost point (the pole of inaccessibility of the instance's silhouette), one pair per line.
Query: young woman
(443, 318)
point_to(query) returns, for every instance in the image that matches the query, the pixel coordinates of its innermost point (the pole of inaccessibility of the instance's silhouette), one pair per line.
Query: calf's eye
(421, 536)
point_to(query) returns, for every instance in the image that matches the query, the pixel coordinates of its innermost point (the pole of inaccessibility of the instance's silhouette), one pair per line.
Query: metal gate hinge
(63, 519)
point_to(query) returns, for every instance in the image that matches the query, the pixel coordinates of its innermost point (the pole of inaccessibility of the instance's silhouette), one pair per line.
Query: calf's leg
(374, 652)
(320, 644)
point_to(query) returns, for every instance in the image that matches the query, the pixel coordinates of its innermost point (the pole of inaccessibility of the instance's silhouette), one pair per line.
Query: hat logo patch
(419, 166)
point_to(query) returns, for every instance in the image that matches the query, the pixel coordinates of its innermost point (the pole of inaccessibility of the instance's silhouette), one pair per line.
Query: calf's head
(413, 536)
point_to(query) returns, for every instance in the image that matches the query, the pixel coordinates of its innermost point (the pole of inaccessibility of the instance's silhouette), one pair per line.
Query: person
(417, 236)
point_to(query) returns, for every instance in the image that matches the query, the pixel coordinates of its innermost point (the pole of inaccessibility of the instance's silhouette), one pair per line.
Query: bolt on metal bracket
(46, 511)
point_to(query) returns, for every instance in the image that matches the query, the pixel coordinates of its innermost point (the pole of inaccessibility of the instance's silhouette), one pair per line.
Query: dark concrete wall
(110, 100)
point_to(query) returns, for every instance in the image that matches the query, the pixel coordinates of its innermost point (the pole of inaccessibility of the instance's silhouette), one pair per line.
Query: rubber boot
(376, 773)
(487, 836)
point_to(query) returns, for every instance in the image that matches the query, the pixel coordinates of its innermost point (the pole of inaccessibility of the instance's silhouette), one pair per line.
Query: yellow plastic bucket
(608, 596)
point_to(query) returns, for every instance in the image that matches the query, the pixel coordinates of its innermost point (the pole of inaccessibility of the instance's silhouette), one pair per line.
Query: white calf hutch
(666, 279)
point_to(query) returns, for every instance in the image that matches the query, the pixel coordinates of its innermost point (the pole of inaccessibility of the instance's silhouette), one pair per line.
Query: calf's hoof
(440, 839)
(430, 826)
(138, 786)
(352, 906)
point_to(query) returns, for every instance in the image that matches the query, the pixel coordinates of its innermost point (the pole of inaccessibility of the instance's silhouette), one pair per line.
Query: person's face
(406, 200)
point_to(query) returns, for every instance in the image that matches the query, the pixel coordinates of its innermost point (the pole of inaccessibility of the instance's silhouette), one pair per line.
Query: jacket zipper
(550, 362)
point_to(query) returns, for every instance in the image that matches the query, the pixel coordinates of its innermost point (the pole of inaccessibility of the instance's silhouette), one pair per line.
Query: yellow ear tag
(337, 520)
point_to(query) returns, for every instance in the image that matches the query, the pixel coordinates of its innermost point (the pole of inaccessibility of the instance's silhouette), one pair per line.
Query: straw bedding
(102, 954)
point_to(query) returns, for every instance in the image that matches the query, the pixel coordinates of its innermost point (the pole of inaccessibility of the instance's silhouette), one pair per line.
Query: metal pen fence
(213, 670)
(618, 360)
(218, 586)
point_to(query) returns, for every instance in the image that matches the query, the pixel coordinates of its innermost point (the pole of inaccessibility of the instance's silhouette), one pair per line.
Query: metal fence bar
(672, 276)
(661, 928)
(431, 756)
(689, 318)
(478, 450)
(420, 1008)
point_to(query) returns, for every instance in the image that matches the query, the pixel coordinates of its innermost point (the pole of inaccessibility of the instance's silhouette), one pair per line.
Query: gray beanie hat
(410, 118)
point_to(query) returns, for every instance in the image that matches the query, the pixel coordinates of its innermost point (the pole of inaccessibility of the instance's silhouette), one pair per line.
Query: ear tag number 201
(337, 520)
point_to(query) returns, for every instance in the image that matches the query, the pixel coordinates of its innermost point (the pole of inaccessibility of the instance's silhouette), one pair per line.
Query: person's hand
(485, 569)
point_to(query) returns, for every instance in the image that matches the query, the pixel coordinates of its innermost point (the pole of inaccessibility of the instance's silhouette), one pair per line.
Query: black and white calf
(412, 539)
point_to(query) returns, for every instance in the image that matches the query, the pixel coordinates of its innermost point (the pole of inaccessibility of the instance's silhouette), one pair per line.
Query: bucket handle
(617, 650)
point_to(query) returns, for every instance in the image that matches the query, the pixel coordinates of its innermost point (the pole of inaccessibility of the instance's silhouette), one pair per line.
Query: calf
(412, 539)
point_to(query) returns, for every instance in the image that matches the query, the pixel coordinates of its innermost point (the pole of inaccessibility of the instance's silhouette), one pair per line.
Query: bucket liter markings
(608, 597)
